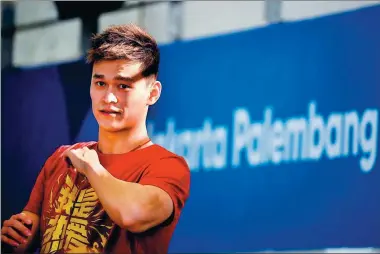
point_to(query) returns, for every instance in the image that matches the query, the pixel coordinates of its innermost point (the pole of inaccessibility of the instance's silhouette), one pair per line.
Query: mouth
(110, 113)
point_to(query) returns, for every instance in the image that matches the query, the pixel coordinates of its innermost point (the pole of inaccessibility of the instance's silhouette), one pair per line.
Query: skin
(15, 233)
(120, 98)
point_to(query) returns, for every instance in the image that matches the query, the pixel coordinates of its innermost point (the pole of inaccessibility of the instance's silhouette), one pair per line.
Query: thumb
(66, 155)
(25, 218)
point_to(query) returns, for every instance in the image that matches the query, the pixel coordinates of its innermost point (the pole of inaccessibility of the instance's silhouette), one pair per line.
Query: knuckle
(15, 223)
(4, 239)
(19, 238)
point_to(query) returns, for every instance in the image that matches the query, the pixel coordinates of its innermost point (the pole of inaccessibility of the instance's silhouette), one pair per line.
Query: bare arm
(135, 206)
(132, 206)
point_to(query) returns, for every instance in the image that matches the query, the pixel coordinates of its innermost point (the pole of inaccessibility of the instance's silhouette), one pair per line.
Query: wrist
(96, 168)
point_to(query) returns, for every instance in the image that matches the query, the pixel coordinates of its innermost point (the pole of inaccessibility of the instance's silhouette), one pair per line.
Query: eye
(100, 83)
(124, 86)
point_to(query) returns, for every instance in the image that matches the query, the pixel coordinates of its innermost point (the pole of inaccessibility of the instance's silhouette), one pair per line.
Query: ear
(155, 92)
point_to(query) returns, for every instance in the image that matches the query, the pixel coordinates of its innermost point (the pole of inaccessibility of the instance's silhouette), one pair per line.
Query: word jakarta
(294, 139)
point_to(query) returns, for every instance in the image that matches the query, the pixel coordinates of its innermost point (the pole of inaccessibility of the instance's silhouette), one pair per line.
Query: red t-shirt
(72, 217)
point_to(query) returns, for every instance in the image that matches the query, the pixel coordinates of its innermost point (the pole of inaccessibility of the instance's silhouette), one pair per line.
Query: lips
(110, 112)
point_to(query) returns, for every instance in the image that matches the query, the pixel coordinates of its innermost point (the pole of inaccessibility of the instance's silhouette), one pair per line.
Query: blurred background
(273, 103)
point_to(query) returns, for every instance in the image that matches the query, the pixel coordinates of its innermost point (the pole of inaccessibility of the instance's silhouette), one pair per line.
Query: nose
(110, 97)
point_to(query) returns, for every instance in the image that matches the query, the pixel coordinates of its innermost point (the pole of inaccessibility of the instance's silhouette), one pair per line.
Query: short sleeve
(172, 175)
(36, 197)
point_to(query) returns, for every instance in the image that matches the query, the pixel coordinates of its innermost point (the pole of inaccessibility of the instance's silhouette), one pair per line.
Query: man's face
(120, 94)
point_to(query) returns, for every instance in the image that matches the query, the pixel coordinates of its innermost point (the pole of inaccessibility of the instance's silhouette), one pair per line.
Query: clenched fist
(83, 159)
(15, 231)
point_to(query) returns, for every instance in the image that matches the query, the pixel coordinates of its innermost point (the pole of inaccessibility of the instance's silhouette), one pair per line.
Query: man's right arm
(15, 231)
(20, 231)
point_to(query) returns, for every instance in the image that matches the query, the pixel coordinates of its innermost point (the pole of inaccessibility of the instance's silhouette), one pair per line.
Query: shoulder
(161, 151)
(59, 152)
(163, 161)
(161, 154)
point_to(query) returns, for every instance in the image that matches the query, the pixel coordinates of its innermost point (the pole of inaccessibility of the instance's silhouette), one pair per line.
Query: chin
(111, 127)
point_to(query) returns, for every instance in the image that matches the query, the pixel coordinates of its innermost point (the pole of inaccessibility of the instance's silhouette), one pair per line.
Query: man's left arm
(138, 207)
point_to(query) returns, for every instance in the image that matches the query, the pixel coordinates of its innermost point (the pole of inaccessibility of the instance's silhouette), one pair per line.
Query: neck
(122, 141)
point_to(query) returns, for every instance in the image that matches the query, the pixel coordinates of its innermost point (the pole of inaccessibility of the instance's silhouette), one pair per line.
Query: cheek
(128, 99)
(140, 97)
(92, 93)
(95, 96)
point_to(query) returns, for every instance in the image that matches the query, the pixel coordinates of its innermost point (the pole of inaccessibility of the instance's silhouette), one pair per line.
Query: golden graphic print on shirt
(75, 223)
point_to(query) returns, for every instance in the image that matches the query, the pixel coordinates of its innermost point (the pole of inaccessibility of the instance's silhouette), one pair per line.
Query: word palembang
(273, 140)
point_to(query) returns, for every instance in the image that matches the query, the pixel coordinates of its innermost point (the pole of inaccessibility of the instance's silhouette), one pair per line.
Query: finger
(3, 229)
(15, 236)
(9, 241)
(78, 153)
(82, 151)
(68, 155)
(24, 218)
(19, 227)
(93, 152)
(68, 162)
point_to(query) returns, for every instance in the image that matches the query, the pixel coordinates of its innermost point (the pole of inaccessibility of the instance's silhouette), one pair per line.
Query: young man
(122, 194)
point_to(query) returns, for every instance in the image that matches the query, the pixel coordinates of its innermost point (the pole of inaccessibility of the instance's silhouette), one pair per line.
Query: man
(122, 194)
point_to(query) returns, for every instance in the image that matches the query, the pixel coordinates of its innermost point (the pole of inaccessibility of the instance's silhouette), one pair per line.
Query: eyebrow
(118, 77)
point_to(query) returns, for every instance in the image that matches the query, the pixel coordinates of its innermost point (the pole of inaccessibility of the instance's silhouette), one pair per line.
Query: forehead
(111, 68)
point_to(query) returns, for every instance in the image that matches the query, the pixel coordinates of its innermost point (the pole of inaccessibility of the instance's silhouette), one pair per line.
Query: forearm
(124, 202)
